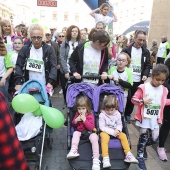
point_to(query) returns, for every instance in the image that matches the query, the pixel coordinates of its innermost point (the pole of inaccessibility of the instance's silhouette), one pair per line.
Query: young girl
(84, 122)
(111, 125)
(150, 98)
(104, 9)
(121, 75)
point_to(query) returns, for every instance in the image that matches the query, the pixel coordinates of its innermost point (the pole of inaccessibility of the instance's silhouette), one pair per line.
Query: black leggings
(165, 128)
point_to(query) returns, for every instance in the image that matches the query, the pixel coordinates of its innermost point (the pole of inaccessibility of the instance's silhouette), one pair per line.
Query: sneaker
(145, 154)
(73, 154)
(61, 91)
(106, 162)
(161, 153)
(96, 164)
(128, 121)
(129, 158)
(141, 164)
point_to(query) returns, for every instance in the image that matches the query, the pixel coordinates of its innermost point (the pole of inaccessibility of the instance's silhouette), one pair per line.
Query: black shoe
(145, 154)
(141, 164)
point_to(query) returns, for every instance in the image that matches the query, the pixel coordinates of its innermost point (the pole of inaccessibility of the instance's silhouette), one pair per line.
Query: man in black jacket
(140, 66)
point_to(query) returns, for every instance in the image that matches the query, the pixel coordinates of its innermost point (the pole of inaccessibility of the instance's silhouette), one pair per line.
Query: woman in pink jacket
(84, 123)
(150, 98)
(111, 125)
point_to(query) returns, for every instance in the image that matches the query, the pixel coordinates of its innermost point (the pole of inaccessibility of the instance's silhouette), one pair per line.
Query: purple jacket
(75, 89)
(110, 89)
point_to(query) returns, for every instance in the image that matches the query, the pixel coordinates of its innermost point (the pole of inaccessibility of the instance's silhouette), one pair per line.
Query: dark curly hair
(69, 30)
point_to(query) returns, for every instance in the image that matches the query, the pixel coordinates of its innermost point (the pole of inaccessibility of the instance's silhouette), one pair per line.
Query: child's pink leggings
(93, 139)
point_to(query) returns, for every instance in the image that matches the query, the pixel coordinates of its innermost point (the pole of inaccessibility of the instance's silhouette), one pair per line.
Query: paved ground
(56, 158)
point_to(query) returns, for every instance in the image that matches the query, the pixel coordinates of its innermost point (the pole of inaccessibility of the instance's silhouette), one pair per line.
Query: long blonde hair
(124, 44)
(3, 23)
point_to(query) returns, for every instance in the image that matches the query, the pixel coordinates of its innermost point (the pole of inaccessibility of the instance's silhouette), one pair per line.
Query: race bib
(136, 70)
(35, 65)
(152, 111)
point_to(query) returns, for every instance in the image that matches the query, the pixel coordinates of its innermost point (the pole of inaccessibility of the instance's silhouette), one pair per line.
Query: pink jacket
(88, 124)
(108, 123)
(137, 99)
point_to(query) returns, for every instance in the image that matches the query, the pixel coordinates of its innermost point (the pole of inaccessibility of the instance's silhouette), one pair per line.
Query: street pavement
(56, 158)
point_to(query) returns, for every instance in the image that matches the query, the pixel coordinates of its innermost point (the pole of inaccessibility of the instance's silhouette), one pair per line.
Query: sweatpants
(93, 139)
(105, 140)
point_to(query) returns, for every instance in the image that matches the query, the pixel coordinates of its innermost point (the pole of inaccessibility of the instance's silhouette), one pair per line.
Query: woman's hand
(77, 75)
(104, 76)
(2, 82)
(67, 75)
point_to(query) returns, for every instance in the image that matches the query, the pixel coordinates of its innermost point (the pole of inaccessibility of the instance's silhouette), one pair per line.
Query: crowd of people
(52, 57)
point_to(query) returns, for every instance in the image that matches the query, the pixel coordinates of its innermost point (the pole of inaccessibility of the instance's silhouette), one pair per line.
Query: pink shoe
(161, 153)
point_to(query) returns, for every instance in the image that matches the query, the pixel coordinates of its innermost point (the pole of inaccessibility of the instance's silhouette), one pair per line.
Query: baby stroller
(84, 161)
(116, 152)
(33, 146)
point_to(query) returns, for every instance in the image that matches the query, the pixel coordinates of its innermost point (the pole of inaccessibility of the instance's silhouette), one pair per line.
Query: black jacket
(145, 59)
(22, 75)
(76, 60)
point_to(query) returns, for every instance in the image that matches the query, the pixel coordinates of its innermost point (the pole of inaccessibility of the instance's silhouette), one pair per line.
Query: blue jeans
(4, 90)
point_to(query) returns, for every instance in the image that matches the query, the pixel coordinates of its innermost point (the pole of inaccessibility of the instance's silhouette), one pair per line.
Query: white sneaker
(73, 154)
(96, 164)
(129, 158)
(61, 91)
(106, 162)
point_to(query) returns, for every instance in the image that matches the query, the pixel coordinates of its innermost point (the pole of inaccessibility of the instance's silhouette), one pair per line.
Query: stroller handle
(85, 76)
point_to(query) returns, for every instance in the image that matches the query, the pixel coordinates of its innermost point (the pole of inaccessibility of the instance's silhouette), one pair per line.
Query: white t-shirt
(105, 19)
(14, 57)
(152, 111)
(2, 66)
(91, 62)
(37, 54)
(9, 44)
(135, 65)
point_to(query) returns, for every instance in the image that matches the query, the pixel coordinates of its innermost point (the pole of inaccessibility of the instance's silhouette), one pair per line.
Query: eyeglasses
(73, 46)
(17, 43)
(61, 36)
(36, 38)
(47, 35)
(121, 60)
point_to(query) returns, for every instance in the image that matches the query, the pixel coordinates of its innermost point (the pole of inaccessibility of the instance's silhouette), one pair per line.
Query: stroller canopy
(77, 88)
(110, 89)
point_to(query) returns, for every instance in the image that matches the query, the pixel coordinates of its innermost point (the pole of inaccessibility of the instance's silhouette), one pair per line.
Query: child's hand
(3, 81)
(116, 133)
(78, 119)
(83, 117)
(116, 80)
(110, 77)
(147, 101)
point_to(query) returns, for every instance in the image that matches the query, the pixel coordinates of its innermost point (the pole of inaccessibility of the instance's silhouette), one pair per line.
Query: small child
(104, 9)
(121, 74)
(84, 122)
(150, 98)
(111, 125)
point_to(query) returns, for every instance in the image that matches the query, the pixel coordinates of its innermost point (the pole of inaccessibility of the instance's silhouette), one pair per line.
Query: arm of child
(103, 127)
(89, 122)
(76, 119)
(92, 13)
(7, 74)
(119, 123)
(114, 16)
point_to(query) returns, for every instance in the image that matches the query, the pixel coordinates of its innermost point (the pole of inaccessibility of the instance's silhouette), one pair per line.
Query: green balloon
(34, 20)
(53, 117)
(24, 103)
(37, 112)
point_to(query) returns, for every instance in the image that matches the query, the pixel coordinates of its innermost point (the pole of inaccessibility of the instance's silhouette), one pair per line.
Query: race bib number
(35, 65)
(152, 111)
(136, 70)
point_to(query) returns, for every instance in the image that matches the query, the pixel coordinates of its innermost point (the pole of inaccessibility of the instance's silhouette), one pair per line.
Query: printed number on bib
(152, 111)
(34, 65)
(136, 70)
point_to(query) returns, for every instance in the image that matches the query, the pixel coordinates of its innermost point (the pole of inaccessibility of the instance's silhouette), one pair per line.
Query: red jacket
(137, 99)
(88, 124)
(11, 153)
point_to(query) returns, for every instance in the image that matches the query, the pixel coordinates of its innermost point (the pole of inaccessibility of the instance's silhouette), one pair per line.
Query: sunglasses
(61, 36)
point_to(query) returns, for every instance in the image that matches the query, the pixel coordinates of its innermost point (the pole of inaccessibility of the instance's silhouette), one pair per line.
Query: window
(65, 16)
(77, 17)
(55, 15)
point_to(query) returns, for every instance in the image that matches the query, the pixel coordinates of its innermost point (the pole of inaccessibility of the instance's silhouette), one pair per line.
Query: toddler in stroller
(111, 125)
(32, 130)
(84, 139)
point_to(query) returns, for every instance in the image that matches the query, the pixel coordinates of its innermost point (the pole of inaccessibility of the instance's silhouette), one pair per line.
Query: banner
(48, 3)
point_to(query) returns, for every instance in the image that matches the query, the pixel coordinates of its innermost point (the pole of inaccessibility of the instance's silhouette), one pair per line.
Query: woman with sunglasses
(72, 40)
(36, 60)
(91, 58)
(60, 38)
